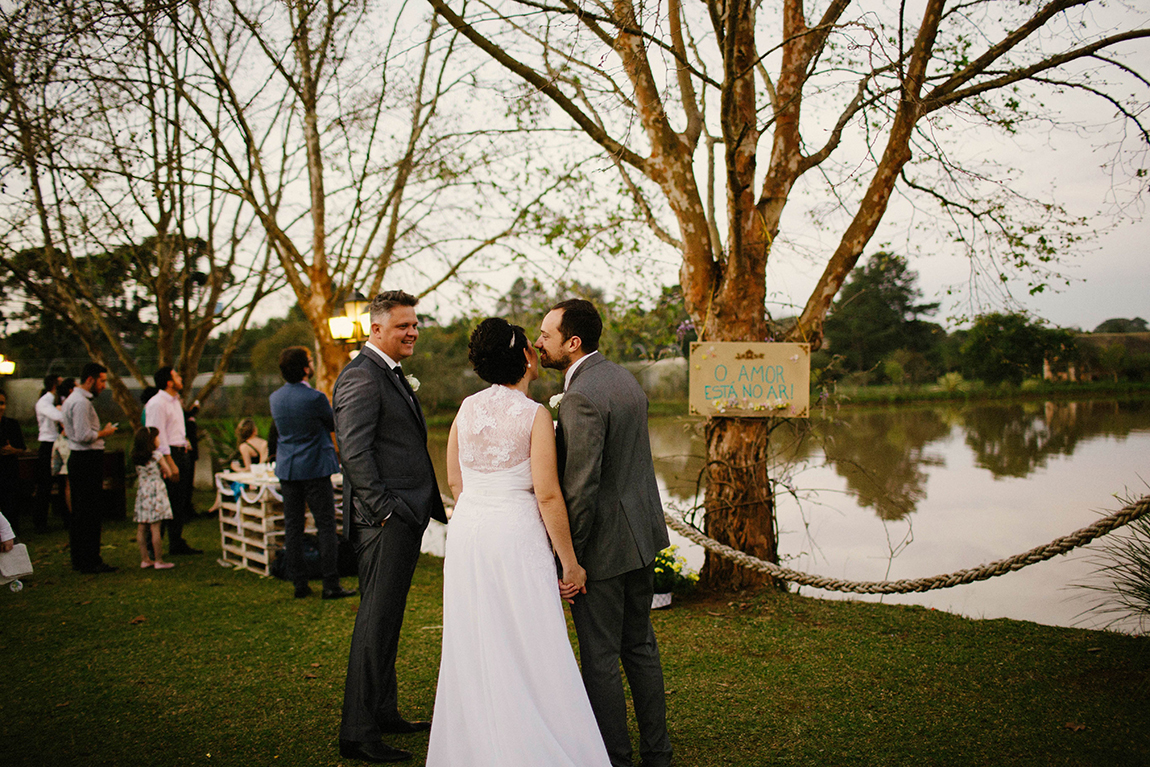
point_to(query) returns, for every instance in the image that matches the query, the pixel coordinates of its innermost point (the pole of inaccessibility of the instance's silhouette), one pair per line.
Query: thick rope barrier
(1124, 516)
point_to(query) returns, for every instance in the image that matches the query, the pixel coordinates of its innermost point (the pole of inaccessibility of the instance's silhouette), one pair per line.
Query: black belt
(179, 449)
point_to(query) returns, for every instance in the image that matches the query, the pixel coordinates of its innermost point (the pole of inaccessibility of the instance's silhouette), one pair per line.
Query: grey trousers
(613, 622)
(387, 557)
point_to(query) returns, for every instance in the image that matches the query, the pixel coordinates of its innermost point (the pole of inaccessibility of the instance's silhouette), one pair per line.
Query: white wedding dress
(509, 692)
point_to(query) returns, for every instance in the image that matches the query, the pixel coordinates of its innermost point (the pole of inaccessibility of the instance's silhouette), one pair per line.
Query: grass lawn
(204, 665)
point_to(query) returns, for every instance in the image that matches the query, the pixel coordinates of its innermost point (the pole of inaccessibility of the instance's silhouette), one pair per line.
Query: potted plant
(671, 575)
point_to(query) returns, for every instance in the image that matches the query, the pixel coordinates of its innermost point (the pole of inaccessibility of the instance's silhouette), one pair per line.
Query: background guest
(165, 412)
(152, 505)
(48, 423)
(192, 430)
(60, 452)
(250, 447)
(7, 537)
(304, 465)
(86, 469)
(12, 492)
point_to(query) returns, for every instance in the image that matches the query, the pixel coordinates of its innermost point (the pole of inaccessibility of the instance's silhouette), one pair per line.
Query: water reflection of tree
(881, 456)
(680, 453)
(678, 449)
(1014, 440)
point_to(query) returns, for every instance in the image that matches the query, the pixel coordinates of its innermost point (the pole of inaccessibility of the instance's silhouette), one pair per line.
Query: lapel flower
(555, 400)
(413, 382)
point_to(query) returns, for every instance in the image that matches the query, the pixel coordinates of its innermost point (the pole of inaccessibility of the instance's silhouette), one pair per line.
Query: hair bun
(495, 350)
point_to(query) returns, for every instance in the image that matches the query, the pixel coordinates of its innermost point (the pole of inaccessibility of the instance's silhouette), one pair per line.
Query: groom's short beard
(561, 363)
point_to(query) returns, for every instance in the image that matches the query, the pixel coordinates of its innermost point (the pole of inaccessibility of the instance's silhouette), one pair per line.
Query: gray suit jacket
(383, 448)
(606, 471)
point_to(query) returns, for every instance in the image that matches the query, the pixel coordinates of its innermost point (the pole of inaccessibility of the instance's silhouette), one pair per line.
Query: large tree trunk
(740, 510)
(739, 501)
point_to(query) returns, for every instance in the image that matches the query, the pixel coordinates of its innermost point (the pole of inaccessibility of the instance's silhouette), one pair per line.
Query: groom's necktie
(404, 383)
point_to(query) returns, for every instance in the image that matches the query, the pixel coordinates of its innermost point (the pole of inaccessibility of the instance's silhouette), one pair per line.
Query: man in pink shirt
(166, 413)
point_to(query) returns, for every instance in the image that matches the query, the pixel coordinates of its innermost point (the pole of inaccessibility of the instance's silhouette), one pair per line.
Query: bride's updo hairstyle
(496, 351)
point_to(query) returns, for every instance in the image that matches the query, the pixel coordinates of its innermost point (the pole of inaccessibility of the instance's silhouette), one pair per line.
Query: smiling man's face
(396, 334)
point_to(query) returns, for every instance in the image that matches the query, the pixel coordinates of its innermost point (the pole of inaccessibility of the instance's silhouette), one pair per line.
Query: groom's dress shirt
(575, 366)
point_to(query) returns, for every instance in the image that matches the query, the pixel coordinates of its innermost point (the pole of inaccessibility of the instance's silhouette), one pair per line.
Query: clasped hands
(574, 581)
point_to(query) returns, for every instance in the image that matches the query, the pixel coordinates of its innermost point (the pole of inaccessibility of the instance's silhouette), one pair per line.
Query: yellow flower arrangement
(671, 573)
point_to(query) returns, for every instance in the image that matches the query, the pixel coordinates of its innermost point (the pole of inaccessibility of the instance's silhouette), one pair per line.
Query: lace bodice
(494, 429)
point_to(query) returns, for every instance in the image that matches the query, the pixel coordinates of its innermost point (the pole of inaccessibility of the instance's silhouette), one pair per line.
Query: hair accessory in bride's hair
(512, 344)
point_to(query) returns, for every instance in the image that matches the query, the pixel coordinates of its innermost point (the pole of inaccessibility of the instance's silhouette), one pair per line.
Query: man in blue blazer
(305, 461)
(390, 492)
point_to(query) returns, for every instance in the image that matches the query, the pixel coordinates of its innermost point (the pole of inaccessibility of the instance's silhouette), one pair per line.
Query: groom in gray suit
(617, 527)
(390, 493)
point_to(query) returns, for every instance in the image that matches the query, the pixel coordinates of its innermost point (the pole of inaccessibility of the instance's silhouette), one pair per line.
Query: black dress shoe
(185, 549)
(372, 752)
(302, 591)
(103, 567)
(404, 727)
(339, 593)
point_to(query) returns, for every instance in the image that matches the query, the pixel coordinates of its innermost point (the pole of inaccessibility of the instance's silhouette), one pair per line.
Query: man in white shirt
(86, 469)
(166, 413)
(48, 422)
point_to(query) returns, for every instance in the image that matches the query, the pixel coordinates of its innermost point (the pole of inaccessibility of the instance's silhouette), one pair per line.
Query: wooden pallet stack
(252, 524)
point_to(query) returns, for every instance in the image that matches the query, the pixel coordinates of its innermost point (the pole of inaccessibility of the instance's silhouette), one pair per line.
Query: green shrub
(1122, 577)
(952, 381)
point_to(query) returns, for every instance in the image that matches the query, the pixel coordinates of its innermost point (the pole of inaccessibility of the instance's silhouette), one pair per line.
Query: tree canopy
(1007, 348)
(720, 116)
(878, 312)
(1122, 325)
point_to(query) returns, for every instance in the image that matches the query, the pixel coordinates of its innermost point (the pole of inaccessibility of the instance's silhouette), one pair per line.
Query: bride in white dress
(509, 689)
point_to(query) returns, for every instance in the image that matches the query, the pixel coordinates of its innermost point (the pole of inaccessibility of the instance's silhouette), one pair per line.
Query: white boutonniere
(413, 382)
(555, 400)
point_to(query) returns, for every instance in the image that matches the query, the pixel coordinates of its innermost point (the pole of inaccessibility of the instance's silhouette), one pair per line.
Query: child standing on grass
(152, 506)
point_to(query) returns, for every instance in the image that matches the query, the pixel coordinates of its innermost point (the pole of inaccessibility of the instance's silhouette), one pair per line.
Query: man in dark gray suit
(390, 492)
(617, 527)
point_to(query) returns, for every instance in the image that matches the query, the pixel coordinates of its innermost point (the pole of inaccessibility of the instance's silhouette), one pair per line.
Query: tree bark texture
(740, 503)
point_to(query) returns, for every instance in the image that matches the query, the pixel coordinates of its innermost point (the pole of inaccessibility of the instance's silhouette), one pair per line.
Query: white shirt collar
(574, 366)
(386, 358)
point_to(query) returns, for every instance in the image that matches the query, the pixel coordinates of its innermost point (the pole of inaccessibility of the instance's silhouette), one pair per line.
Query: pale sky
(1107, 274)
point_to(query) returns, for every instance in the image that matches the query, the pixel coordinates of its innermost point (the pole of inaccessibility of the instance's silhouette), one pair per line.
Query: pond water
(911, 492)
